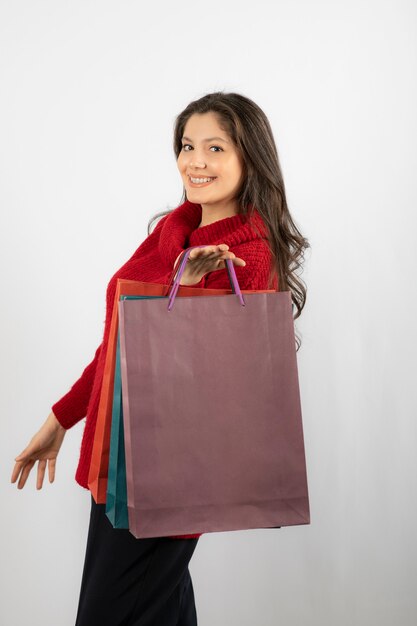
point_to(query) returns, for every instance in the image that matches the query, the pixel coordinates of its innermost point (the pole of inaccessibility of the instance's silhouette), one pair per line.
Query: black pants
(134, 582)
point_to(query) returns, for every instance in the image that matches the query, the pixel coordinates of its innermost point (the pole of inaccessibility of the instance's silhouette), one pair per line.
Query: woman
(233, 205)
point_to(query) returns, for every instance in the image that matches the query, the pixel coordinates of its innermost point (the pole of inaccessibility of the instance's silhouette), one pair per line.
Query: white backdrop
(89, 94)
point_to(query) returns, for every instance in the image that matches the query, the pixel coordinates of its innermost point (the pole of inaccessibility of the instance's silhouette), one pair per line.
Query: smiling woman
(233, 207)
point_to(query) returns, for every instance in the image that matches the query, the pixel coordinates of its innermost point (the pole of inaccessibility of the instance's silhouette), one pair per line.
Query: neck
(212, 213)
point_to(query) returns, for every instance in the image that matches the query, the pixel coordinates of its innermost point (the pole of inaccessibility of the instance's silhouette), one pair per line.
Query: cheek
(234, 173)
(233, 165)
(238, 171)
(181, 161)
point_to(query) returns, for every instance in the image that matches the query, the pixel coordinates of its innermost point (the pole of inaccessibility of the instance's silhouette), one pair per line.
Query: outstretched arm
(72, 407)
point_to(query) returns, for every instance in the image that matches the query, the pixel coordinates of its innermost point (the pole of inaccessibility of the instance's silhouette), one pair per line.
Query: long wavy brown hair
(263, 186)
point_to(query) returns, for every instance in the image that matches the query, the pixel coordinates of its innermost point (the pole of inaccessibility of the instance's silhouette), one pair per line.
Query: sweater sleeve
(72, 407)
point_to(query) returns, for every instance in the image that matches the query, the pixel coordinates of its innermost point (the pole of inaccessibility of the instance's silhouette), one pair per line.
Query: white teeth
(201, 180)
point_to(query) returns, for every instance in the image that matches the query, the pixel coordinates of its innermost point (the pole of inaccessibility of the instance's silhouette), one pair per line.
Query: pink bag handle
(182, 262)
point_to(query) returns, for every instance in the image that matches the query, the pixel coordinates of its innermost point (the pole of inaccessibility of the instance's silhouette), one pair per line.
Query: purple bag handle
(183, 260)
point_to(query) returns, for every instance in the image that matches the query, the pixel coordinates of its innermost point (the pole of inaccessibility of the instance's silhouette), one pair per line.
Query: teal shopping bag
(116, 496)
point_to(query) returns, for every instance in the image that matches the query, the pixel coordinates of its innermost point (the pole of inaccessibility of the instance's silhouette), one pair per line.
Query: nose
(197, 164)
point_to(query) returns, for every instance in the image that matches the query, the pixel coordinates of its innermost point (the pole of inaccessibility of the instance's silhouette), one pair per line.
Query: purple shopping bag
(212, 414)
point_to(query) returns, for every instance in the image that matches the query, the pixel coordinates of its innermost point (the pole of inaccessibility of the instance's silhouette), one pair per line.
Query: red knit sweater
(153, 262)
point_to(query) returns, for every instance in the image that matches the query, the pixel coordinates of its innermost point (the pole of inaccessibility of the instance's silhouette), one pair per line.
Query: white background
(89, 94)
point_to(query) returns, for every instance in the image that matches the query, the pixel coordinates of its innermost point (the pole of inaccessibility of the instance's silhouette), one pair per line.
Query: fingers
(23, 454)
(23, 468)
(200, 253)
(21, 460)
(207, 259)
(236, 260)
(25, 473)
(51, 470)
(41, 474)
(16, 471)
(219, 252)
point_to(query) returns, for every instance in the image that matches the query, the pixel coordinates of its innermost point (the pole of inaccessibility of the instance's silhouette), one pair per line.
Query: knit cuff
(64, 412)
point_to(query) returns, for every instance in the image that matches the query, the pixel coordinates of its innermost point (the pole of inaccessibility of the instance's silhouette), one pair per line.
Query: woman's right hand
(43, 447)
(204, 259)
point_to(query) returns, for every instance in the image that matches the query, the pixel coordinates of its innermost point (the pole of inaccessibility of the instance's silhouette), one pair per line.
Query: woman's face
(208, 152)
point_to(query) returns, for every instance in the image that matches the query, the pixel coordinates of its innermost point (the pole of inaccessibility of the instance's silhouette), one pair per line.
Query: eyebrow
(208, 139)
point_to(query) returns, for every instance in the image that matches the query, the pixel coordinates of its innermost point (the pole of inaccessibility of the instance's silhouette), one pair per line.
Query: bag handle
(182, 263)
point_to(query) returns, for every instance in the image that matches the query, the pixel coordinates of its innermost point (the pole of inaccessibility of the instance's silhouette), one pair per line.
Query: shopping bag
(116, 496)
(211, 413)
(98, 470)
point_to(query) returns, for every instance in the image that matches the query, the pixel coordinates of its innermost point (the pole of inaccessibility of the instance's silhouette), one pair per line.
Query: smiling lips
(201, 181)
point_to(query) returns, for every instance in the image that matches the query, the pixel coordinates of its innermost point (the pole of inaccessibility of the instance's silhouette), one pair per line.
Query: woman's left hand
(207, 259)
